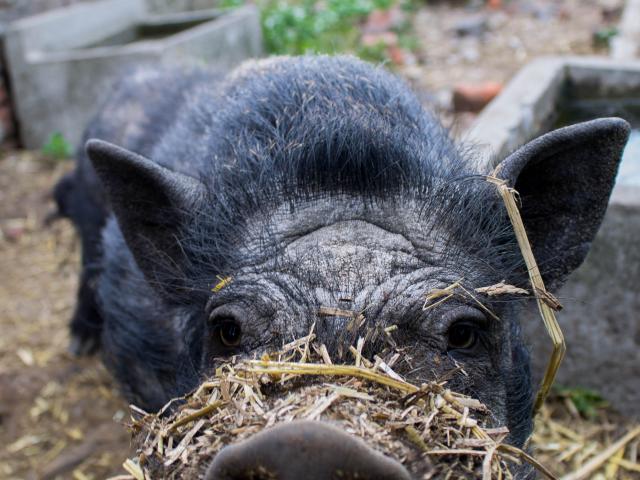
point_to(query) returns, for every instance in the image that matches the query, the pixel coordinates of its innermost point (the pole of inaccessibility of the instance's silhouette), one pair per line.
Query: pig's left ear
(564, 179)
(152, 205)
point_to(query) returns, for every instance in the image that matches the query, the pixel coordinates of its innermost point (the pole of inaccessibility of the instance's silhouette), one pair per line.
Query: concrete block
(522, 109)
(63, 63)
(165, 6)
(601, 318)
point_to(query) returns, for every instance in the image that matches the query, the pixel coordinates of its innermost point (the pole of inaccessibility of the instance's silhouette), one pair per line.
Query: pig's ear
(152, 205)
(564, 179)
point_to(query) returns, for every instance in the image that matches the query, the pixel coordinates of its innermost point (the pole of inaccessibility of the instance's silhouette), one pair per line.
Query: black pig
(309, 182)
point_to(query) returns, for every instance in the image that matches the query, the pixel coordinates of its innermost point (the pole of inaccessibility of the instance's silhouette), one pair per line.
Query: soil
(511, 37)
(498, 42)
(61, 417)
(56, 412)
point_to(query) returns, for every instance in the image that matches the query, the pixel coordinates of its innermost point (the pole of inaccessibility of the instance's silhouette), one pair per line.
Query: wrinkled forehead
(399, 232)
(356, 247)
(334, 221)
(349, 255)
(357, 262)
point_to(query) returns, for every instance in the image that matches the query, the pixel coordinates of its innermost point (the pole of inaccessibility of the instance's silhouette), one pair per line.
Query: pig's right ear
(152, 205)
(564, 179)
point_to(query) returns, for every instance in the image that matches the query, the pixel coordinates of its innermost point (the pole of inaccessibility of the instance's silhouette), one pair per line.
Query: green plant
(602, 37)
(57, 147)
(374, 53)
(230, 3)
(295, 27)
(587, 402)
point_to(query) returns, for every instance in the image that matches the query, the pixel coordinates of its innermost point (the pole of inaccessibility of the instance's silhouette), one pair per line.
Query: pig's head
(319, 187)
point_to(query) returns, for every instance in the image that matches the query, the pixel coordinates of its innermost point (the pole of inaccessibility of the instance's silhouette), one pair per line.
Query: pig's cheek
(427, 366)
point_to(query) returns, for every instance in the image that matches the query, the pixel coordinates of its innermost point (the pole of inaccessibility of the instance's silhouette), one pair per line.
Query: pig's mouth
(303, 449)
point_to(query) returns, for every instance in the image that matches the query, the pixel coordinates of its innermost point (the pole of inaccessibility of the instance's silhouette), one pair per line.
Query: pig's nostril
(304, 449)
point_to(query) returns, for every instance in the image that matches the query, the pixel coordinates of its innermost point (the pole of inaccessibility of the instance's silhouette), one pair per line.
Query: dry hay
(594, 444)
(434, 432)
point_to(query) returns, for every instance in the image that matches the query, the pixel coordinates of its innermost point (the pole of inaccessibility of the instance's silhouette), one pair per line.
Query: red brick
(474, 97)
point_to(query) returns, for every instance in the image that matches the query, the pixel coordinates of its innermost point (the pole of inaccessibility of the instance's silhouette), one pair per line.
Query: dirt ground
(62, 417)
(473, 45)
(500, 41)
(56, 412)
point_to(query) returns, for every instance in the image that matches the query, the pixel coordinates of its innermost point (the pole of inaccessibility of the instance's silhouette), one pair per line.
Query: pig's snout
(303, 450)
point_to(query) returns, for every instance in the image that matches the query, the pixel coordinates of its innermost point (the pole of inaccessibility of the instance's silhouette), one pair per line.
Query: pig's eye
(229, 333)
(462, 336)
(466, 325)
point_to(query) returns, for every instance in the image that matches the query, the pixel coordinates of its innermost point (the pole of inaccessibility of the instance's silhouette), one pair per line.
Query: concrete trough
(601, 319)
(63, 63)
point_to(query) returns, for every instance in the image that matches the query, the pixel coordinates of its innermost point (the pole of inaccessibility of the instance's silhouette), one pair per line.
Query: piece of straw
(134, 469)
(546, 311)
(195, 415)
(596, 462)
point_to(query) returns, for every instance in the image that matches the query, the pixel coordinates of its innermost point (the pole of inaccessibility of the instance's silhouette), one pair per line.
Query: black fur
(229, 163)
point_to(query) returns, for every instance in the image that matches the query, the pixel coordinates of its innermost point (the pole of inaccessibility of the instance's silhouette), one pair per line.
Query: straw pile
(593, 443)
(434, 432)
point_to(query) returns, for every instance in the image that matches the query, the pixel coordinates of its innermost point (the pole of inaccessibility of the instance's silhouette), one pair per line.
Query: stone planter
(601, 319)
(62, 63)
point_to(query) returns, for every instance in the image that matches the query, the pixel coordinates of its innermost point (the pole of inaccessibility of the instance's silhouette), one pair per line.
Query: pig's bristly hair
(288, 135)
(317, 127)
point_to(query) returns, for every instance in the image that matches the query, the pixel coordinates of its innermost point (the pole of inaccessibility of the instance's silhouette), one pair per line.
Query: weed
(57, 147)
(294, 27)
(586, 402)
